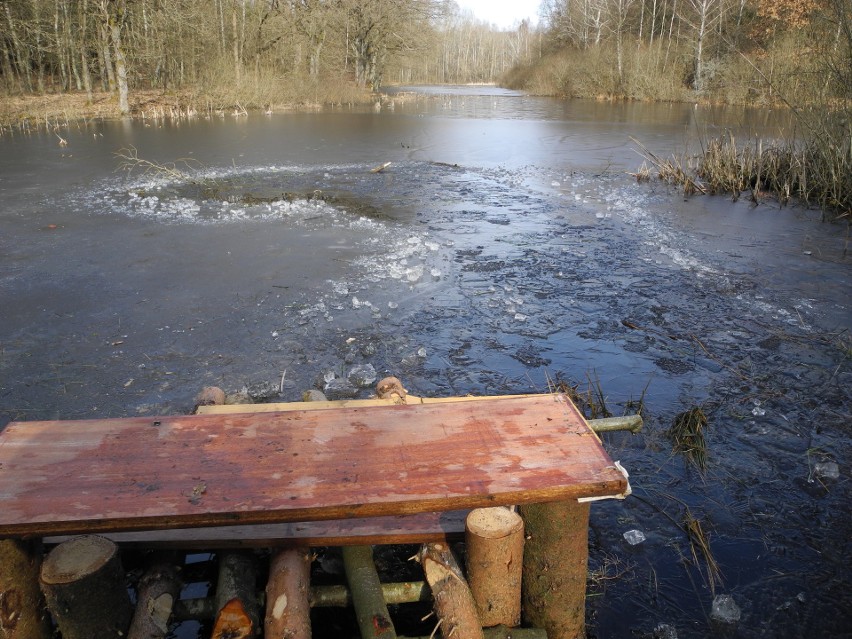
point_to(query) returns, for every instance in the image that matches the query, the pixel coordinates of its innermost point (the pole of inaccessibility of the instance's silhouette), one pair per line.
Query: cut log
(84, 586)
(158, 590)
(288, 609)
(555, 564)
(495, 557)
(454, 603)
(22, 612)
(370, 608)
(236, 600)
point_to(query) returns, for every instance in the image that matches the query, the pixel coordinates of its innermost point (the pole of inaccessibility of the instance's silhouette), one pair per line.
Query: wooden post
(158, 590)
(555, 564)
(495, 556)
(84, 586)
(238, 616)
(373, 618)
(288, 610)
(22, 612)
(454, 604)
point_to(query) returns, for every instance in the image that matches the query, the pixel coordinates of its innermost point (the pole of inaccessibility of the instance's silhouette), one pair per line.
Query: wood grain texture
(148, 473)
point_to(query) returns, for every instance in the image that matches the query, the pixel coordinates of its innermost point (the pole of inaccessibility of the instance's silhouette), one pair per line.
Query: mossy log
(288, 609)
(85, 589)
(370, 608)
(495, 553)
(454, 602)
(555, 564)
(22, 611)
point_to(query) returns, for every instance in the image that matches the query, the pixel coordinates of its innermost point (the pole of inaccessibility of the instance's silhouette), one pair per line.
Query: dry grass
(699, 543)
(687, 435)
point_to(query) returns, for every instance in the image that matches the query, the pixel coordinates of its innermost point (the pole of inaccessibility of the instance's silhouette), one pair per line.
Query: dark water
(504, 245)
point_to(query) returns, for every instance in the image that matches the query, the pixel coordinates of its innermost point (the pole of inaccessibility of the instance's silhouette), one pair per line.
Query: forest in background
(250, 53)
(257, 53)
(725, 51)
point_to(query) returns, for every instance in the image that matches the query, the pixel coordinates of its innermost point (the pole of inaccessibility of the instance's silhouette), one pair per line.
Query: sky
(503, 13)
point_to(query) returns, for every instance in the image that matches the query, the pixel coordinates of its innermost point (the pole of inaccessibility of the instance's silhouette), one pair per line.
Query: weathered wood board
(401, 529)
(300, 465)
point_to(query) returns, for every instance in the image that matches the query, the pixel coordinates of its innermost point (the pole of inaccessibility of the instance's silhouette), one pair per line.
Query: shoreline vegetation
(78, 60)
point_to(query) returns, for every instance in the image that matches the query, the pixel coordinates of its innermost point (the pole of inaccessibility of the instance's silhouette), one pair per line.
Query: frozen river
(504, 245)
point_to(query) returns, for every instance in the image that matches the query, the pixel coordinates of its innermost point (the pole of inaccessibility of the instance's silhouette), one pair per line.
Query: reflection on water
(504, 243)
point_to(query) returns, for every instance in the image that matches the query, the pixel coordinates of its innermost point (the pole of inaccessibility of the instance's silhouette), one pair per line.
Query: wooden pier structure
(354, 473)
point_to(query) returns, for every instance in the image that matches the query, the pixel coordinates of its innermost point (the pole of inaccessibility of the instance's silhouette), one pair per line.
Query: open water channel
(503, 246)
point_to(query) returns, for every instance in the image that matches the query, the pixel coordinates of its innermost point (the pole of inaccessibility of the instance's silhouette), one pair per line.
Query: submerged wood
(84, 586)
(22, 611)
(453, 601)
(288, 609)
(555, 567)
(370, 608)
(158, 590)
(495, 555)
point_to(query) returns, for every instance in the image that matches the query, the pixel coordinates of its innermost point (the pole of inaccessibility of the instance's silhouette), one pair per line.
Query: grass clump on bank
(815, 172)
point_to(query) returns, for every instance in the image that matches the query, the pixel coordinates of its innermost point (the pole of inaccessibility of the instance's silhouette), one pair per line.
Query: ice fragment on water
(393, 305)
(634, 537)
(362, 375)
(436, 273)
(328, 376)
(725, 609)
(757, 411)
(554, 183)
(414, 273)
(421, 352)
(827, 470)
(665, 631)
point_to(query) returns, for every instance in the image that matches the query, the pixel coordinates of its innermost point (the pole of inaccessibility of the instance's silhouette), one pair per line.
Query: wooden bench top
(159, 473)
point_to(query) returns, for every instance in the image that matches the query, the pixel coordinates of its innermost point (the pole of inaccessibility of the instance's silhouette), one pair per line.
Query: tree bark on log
(238, 616)
(84, 586)
(22, 611)
(495, 557)
(555, 566)
(454, 602)
(288, 609)
(158, 591)
(373, 618)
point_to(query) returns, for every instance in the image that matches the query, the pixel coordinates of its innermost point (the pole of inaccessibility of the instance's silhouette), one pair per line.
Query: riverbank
(25, 112)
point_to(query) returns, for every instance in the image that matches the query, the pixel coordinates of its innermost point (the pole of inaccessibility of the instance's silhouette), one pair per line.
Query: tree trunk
(22, 612)
(373, 618)
(120, 65)
(84, 585)
(555, 564)
(454, 603)
(288, 609)
(495, 557)
(158, 591)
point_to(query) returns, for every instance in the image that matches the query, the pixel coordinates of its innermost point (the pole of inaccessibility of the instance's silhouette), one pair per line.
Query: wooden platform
(284, 467)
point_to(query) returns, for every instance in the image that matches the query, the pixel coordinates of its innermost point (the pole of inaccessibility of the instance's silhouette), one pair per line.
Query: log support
(495, 552)
(370, 608)
(288, 609)
(22, 612)
(454, 603)
(85, 589)
(555, 565)
(158, 590)
(236, 600)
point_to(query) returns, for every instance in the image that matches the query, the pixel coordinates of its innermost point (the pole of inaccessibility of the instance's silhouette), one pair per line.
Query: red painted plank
(258, 468)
